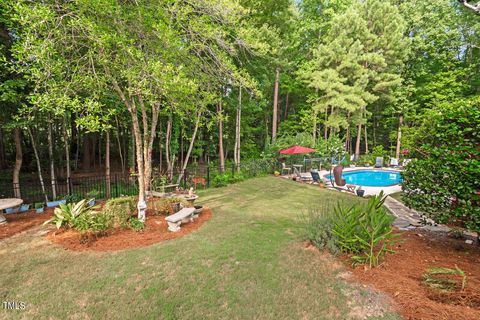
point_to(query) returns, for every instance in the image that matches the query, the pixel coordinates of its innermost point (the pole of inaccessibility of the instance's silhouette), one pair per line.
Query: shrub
(74, 197)
(376, 232)
(220, 180)
(100, 222)
(136, 224)
(120, 210)
(444, 181)
(362, 229)
(317, 228)
(164, 206)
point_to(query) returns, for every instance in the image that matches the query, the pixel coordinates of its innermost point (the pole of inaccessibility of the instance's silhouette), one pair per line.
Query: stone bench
(175, 220)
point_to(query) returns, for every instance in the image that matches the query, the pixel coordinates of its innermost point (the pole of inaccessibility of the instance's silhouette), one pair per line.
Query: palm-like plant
(69, 214)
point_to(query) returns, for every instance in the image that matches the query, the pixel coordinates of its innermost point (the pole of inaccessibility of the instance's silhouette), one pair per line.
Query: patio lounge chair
(340, 182)
(315, 177)
(379, 162)
(303, 177)
(393, 162)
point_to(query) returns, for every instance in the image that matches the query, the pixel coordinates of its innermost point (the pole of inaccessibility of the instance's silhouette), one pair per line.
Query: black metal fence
(78, 188)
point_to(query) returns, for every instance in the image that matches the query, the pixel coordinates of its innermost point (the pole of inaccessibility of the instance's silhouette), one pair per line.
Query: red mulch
(18, 222)
(121, 239)
(400, 276)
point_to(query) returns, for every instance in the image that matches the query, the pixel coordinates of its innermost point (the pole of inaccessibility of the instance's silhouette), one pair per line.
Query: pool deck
(369, 191)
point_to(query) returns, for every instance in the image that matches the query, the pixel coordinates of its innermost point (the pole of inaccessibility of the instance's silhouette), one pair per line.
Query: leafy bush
(220, 180)
(120, 210)
(164, 206)
(444, 181)
(362, 229)
(136, 224)
(100, 222)
(317, 227)
(73, 198)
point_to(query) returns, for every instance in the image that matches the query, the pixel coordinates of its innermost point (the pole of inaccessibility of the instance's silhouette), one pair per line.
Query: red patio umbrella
(296, 149)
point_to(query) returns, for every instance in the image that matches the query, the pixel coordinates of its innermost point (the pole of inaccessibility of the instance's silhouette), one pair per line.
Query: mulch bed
(400, 276)
(18, 222)
(120, 239)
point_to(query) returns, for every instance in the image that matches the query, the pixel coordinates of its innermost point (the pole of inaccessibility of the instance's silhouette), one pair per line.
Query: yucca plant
(376, 232)
(365, 230)
(69, 215)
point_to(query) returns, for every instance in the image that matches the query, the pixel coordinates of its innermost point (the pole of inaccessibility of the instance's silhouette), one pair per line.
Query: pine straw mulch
(19, 222)
(401, 277)
(120, 239)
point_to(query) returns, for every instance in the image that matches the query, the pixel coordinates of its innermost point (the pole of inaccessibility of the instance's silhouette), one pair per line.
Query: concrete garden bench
(175, 220)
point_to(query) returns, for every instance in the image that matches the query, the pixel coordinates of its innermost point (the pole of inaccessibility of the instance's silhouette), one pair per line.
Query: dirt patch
(120, 239)
(401, 276)
(18, 222)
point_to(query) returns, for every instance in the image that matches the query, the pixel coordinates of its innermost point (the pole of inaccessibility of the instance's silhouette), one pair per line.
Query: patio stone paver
(408, 219)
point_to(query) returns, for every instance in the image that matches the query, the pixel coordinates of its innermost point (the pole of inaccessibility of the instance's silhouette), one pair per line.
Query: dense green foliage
(444, 180)
(120, 211)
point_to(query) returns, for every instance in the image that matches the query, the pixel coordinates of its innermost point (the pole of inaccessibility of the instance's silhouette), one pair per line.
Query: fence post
(208, 176)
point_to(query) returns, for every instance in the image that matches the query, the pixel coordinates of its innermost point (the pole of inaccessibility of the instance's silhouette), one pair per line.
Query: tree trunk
(237, 130)
(107, 164)
(347, 140)
(160, 147)
(52, 161)
(140, 162)
(190, 148)
(221, 155)
(77, 151)
(366, 139)
(325, 128)
(67, 153)
(357, 144)
(314, 127)
(100, 150)
(148, 138)
(120, 153)
(18, 162)
(86, 157)
(132, 151)
(399, 137)
(286, 107)
(39, 166)
(3, 162)
(170, 161)
(275, 107)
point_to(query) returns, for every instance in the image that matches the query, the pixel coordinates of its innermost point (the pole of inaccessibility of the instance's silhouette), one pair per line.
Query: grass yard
(397, 196)
(247, 262)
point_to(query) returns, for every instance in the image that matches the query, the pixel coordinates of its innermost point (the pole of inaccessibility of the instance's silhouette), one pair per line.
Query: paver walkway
(408, 219)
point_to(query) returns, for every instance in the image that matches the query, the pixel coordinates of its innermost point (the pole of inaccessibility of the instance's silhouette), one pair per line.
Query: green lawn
(247, 262)
(398, 196)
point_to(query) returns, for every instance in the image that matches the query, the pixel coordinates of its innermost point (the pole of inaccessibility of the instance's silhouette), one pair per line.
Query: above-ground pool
(371, 178)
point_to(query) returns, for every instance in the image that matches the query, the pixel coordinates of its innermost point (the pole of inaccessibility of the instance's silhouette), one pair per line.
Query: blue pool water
(371, 178)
